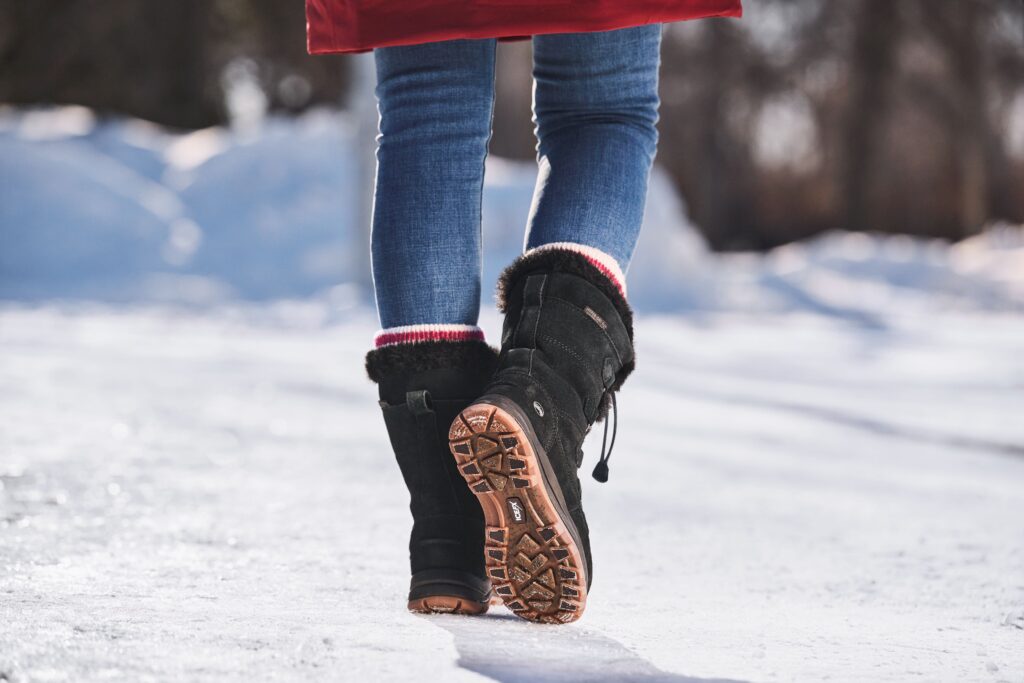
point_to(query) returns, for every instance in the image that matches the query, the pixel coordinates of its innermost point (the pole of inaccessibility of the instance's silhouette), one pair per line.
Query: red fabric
(361, 25)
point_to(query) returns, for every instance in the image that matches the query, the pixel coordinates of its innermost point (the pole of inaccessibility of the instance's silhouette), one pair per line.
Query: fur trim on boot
(564, 261)
(407, 359)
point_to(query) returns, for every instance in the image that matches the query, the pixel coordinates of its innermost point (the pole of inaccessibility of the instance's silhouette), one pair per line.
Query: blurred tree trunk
(719, 163)
(964, 44)
(714, 181)
(876, 35)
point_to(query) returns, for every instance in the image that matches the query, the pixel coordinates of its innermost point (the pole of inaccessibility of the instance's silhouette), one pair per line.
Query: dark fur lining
(563, 261)
(431, 355)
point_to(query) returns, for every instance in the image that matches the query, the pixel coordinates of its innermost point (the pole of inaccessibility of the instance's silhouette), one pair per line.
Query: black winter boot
(567, 346)
(423, 387)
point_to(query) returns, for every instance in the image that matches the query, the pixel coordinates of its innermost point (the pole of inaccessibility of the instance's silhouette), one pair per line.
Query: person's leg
(595, 113)
(436, 104)
(567, 339)
(430, 359)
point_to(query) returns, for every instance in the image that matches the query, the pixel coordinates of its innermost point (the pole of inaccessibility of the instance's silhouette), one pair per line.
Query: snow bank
(123, 211)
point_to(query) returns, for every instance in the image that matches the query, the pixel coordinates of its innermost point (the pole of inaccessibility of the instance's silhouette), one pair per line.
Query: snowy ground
(211, 496)
(819, 473)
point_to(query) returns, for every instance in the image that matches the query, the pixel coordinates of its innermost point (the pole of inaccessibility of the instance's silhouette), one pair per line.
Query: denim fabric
(595, 113)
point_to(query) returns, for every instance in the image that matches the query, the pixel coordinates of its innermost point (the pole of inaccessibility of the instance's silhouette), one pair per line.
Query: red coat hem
(337, 26)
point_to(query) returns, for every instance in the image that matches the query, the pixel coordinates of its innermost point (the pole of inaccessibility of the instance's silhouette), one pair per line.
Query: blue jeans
(595, 107)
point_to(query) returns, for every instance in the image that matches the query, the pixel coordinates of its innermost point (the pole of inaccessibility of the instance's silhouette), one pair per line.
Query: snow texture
(819, 472)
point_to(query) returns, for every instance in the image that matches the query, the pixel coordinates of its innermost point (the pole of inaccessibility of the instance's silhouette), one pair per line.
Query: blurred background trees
(806, 115)
(861, 114)
(175, 63)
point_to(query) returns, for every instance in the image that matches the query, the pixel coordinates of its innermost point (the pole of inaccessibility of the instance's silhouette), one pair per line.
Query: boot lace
(601, 468)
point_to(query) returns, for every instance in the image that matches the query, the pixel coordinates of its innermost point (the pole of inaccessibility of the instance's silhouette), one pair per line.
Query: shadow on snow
(509, 650)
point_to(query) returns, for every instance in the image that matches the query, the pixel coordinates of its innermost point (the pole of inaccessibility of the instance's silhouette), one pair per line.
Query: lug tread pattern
(532, 563)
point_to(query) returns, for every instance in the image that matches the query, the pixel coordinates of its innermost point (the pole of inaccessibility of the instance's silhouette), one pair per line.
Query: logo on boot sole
(516, 509)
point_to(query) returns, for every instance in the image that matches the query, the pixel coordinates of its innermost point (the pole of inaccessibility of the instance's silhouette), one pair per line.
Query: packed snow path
(210, 496)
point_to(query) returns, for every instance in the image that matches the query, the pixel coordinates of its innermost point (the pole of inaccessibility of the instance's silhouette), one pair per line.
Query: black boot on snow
(567, 346)
(422, 387)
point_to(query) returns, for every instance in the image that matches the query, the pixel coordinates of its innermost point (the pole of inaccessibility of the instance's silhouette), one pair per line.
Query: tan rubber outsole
(444, 604)
(532, 561)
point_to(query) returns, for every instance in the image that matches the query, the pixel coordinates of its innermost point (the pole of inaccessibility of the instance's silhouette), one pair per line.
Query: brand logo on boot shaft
(515, 508)
(592, 314)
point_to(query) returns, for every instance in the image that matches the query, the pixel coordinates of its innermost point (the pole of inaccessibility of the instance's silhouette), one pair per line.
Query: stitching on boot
(568, 349)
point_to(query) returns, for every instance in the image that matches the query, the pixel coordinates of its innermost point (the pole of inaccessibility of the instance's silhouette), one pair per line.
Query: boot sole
(533, 561)
(446, 604)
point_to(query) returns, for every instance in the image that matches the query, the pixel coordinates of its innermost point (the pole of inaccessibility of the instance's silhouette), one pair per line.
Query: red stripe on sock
(607, 273)
(414, 336)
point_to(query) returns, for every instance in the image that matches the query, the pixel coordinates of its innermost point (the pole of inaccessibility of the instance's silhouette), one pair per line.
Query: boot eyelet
(538, 408)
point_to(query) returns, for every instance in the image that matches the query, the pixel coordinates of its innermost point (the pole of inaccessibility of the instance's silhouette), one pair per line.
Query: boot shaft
(422, 387)
(563, 327)
(568, 328)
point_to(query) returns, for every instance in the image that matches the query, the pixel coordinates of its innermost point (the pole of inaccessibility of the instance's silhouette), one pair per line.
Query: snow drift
(123, 211)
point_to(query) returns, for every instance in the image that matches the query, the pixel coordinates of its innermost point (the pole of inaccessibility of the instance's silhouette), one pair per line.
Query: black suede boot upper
(422, 387)
(567, 345)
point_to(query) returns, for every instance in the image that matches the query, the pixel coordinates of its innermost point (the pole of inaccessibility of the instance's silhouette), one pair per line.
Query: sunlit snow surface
(819, 472)
(212, 496)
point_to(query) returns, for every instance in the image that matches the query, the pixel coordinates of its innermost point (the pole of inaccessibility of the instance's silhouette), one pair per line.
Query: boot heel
(447, 604)
(533, 561)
